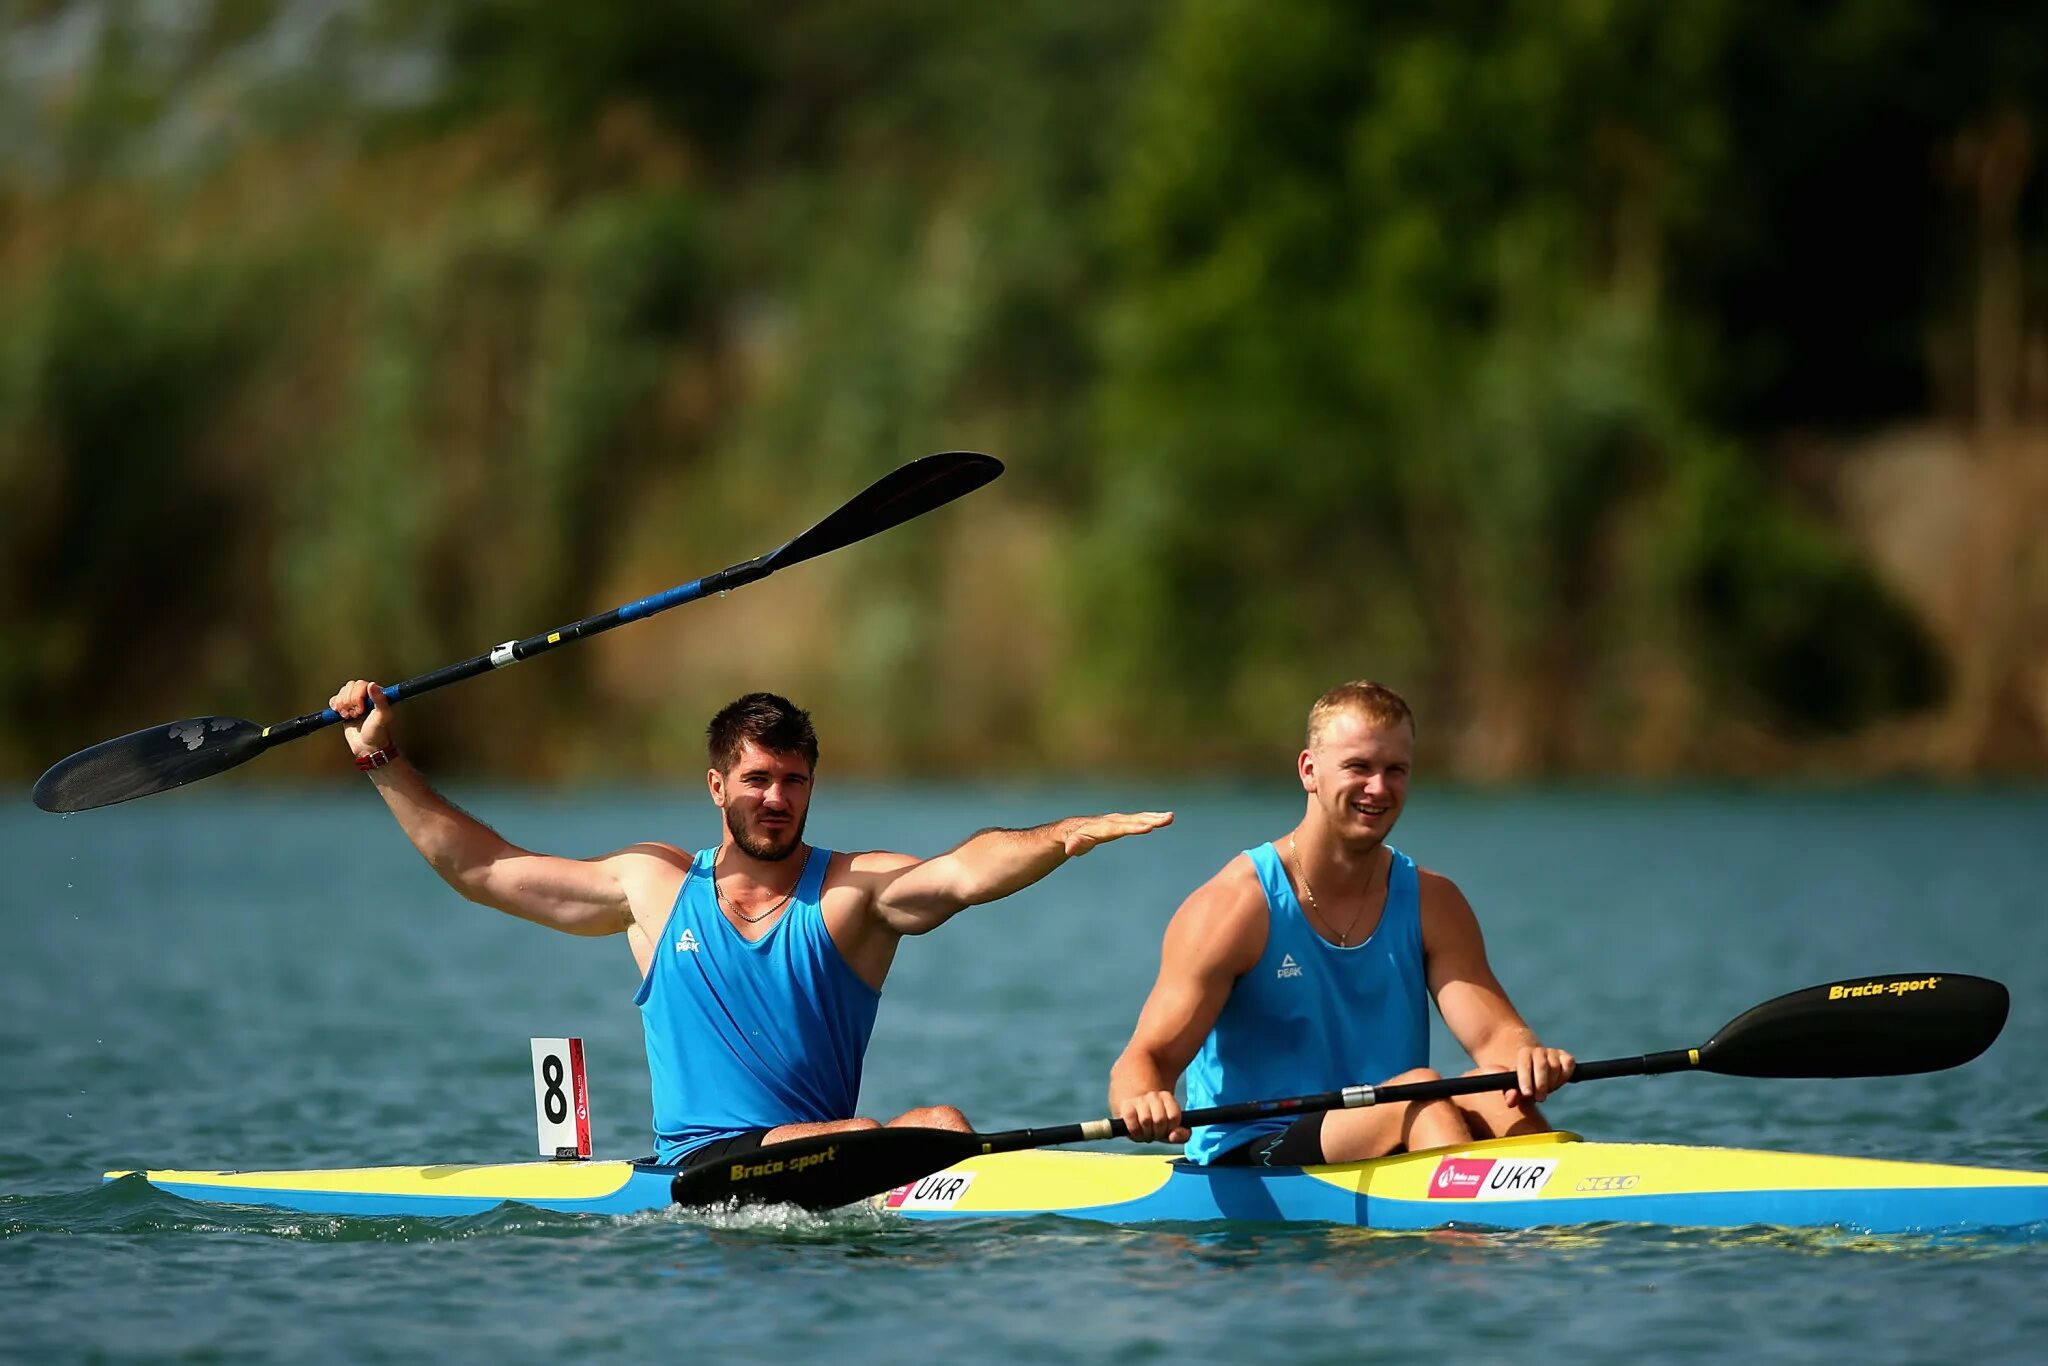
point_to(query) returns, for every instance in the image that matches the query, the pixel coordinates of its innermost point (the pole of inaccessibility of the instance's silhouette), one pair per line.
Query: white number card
(561, 1100)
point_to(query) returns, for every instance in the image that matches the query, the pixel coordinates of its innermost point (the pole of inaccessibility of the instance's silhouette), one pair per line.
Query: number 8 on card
(561, 1099)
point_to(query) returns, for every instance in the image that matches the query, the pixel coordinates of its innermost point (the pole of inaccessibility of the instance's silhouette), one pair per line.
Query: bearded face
(766, 798)
(761, 836)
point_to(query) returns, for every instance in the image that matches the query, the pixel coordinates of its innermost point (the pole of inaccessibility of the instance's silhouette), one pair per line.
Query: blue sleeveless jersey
(1311, 1016)
(748, 1035)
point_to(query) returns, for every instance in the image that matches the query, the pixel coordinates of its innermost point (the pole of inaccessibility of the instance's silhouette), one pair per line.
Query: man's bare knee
(932, 1117)
(786, 1133)
(1414, 1074)
(1434, 1124)
(1490, 1116)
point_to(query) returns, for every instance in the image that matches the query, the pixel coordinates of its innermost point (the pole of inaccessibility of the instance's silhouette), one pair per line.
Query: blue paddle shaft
(159, 758)
(513, 651)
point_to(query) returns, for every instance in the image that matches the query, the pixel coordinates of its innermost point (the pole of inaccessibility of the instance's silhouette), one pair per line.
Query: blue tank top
(1311, 1016)
(748, 1035)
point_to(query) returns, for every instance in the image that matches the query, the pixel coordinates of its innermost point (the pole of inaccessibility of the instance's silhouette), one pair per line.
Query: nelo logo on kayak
(1842, 993)
(1599, 1184)
(942, 1191)
(745, 1171)
(1490, 1178)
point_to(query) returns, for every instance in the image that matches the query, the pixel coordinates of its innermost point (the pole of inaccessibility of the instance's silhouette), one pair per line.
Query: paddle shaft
(908, 492)
(1349, 1098)
(513, 651)
(159, 758)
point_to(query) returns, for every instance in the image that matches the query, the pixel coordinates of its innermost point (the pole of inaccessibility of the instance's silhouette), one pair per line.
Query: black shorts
(723, 1147)
(1300, 1144)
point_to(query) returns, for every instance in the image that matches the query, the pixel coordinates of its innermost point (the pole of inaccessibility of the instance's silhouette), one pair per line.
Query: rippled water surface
(239, 978)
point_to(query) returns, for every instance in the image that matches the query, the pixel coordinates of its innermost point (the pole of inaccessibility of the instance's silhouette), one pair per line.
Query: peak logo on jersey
(1490, 1178)
(688, 943)
(1288, 967)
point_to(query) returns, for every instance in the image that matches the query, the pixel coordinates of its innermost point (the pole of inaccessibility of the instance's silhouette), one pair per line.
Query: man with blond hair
(1308, 964)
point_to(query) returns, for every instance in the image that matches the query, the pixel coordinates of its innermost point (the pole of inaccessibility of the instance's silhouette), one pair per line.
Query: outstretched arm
(913, 897)
(1472, 1001)
(587, 897)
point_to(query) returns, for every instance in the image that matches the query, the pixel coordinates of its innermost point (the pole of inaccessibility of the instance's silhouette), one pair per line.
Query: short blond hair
(1376, 702)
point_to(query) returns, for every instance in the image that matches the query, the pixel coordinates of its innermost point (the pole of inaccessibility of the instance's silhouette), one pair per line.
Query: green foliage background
(1510, 353)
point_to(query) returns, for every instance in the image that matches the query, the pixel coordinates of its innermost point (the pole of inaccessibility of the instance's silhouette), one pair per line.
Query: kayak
(1537, 1181)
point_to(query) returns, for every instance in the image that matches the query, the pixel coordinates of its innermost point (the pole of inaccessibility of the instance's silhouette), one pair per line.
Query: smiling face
(1355, 772)
(766, 796)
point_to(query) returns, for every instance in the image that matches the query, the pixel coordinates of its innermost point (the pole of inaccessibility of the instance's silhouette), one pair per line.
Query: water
(234, 977)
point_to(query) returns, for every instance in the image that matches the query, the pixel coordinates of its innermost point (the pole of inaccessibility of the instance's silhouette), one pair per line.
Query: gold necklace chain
(1300, 871)
(726, 901)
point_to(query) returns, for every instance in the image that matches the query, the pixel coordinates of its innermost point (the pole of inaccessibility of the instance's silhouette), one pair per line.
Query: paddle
(1862, 1027)
(168, 756)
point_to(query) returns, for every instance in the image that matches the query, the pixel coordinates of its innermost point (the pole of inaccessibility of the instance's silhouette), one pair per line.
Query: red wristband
(376, 758)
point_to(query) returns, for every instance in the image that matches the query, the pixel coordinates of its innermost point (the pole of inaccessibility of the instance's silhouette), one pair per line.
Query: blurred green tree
(1481, 347)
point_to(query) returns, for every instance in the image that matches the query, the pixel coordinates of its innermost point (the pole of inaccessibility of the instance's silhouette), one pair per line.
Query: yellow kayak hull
(1538, 1181)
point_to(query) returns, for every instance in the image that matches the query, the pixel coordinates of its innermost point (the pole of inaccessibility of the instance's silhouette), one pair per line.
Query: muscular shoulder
(871, 861)
(1437, 890)
(853, 881)
(1234, 893)
(853, 878)
(1434, 889)
(648, 857)
(1447, 919)
(650, 873)
(1223, 922)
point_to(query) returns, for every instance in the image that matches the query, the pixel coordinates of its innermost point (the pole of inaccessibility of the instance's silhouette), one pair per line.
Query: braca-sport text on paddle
(1860, 1027)
(163, 757)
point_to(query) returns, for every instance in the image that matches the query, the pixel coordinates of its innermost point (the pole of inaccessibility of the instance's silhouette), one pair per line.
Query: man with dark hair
(1308, 964)
(767, 720)
(761, 959)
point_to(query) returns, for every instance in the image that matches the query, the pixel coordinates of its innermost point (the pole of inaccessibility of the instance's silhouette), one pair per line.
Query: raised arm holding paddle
(159, 758)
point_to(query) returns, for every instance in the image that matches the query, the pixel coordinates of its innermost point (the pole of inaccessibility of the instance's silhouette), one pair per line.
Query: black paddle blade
(909, 491)
(148, 761)
(1863, 1027)
(824, 1172)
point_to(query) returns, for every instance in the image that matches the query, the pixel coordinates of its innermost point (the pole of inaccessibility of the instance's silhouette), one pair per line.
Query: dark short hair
(770, 721)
